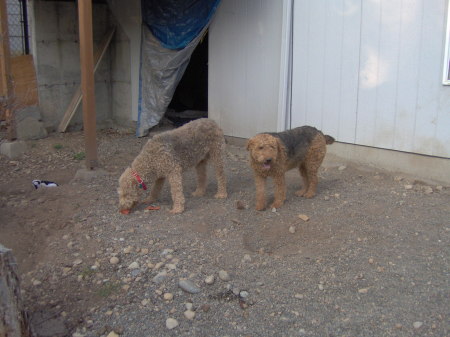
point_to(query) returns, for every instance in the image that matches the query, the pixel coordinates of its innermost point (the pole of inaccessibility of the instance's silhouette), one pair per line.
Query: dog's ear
(280, 146)
(250, 143)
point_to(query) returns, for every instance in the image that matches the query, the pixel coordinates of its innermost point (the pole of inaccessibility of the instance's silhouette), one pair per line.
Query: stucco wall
(244, 66)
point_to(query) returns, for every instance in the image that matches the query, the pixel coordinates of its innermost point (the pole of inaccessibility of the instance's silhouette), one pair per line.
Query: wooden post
(87, 81)
(5, 73)
(14, 320)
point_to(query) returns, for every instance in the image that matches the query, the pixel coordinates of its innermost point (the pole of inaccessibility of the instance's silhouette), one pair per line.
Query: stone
(30, 128)
(133, 265)
(417, 325)
(224, 276)
(210, 279)
(160, 277)
(171, 323)
(168, 297)
(13, 149)
(114, 260)
(304, 217)
(189, 314)
(189, 286)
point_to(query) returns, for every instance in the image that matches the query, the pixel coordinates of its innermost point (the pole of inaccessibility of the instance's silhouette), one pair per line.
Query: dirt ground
(372, 260)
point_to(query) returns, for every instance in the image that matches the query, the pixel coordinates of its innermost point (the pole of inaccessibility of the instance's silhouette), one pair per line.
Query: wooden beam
(77, 96)
(6, 87)
(87, 82)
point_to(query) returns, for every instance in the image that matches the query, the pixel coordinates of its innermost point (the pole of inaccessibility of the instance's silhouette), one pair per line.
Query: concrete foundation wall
(57, 57)
(121, 78)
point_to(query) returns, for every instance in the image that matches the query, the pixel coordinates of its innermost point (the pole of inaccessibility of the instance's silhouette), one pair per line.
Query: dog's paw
(276, 204)
(260, 207)
(221, 195)
(198, 193)
(176, 210)
(309, 195)
(300, 193)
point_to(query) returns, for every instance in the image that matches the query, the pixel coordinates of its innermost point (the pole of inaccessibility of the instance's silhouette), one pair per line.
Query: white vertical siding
(244, 66)
(369, 72)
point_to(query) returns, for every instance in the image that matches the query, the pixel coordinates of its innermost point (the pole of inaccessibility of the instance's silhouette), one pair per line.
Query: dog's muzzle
(267, 164)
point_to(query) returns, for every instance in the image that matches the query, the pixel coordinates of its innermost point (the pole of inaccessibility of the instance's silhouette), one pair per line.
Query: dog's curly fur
(167, 155)
(273, 154)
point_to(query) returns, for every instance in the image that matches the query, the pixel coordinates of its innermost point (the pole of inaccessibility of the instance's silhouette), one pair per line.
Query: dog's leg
(217, 159)
(201, 179)
(311, 172)
(312, 168)
(280, 191)
(260, 183)
(176, 189)
(156, 190)
(301, 192)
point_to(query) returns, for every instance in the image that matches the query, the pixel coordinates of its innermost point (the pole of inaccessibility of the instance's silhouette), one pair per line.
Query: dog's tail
(328, 139)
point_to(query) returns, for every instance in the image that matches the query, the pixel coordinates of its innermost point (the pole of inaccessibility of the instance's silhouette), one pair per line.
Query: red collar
(139, 180)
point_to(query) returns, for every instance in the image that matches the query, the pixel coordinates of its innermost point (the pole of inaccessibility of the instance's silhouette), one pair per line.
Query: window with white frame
(446, 74)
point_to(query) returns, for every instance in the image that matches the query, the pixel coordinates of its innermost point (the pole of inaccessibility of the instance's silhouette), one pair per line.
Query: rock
(189, 286)
(189, 314)
(427, 190)
(243, 294)
(77, 262)
(134, 265)
(160, 277)
(171, 323)
(292, 229)
(210, 279)
(205, 307)
(247, 258)
(13, 149)
(304, 217)
(363, 290)
(342, 168)
(240, 205)
(224, 276)
(417, 324)
(168, 297)
(408, 187)
(189, 306)
(30, 128)
(114, 260)
(112, 334)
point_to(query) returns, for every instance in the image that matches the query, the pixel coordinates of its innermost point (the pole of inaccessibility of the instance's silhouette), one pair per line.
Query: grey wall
(57, 57)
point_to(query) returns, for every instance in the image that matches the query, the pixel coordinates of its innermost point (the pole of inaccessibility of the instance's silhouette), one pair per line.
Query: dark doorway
(190, 100)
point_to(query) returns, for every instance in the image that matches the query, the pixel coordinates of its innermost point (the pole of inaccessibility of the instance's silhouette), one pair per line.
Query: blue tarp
(171, 31)
(175, 23)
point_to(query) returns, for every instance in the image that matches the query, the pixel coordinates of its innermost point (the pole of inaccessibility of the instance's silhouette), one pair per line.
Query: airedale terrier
(166, 156)
(273, 154)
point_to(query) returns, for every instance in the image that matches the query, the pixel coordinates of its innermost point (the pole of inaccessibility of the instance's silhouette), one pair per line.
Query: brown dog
(166, 156)
(273, 154)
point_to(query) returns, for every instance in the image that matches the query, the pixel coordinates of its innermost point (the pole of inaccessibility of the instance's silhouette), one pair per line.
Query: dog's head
(128, 191)
(264, 150)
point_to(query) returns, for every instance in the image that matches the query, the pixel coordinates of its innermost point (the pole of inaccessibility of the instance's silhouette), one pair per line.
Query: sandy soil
(372, 260)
